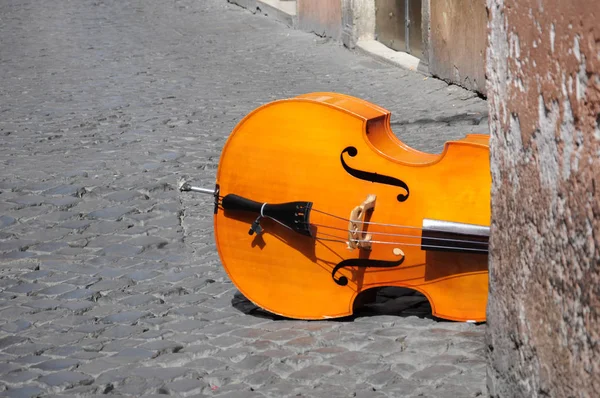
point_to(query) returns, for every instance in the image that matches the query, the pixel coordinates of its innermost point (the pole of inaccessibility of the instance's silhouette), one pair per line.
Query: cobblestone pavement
(109, 278)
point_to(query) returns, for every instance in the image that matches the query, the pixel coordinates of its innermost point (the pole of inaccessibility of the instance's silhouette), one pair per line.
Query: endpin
(186, 186)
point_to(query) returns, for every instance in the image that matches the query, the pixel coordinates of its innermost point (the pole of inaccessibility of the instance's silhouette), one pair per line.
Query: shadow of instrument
(316, 201)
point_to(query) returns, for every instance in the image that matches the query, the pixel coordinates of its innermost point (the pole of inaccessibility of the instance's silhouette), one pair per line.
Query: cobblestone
(23, 392)
(66, 379)
(110, 282)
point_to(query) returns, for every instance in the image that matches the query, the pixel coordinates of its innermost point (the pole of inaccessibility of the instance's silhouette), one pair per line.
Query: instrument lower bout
(318, 201)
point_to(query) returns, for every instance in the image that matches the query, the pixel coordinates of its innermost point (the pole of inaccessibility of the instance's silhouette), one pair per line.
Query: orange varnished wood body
(290, 150)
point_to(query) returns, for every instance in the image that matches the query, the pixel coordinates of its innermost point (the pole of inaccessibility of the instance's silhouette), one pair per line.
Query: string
(340, 240)
(369, 222)
(399, 235)
(358, 221)
(363, 222)
(431, 239)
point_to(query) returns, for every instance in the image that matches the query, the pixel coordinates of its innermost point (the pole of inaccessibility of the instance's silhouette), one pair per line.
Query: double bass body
(419, 220)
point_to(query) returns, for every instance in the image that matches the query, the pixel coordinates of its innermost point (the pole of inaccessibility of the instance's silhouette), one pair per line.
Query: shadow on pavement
(395, 301)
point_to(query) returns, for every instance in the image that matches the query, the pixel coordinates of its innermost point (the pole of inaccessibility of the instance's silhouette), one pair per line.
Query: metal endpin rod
(202, 190)
(186, 186)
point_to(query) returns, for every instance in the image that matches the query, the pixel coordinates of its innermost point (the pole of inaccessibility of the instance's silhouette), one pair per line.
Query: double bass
(317, 201)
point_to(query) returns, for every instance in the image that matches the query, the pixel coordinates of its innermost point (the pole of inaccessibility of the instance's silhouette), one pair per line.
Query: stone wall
(543, 65)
